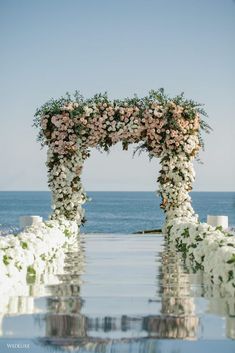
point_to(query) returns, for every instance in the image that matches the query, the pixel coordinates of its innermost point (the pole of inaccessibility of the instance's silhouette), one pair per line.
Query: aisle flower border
(206, 248)
(28, 254)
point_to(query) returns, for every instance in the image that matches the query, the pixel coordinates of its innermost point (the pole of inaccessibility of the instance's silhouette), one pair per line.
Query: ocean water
(114, 212)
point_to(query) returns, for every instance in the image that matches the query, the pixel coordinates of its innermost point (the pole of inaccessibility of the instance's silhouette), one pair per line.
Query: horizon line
(154, 191)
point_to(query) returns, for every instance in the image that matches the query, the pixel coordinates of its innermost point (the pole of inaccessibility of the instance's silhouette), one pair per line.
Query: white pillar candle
(216, 221)
(27, 221)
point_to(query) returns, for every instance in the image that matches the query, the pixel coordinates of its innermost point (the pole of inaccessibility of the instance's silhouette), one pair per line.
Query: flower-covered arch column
(167, 128)
(176, 179)
(68, 194)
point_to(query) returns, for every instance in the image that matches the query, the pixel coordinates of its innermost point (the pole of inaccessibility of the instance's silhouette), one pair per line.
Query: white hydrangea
(207, 247)
(34, 248)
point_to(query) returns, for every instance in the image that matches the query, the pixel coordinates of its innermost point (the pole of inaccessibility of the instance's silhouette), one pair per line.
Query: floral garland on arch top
(168, 128)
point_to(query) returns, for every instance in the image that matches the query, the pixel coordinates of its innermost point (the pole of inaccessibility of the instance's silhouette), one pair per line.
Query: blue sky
(123, 47)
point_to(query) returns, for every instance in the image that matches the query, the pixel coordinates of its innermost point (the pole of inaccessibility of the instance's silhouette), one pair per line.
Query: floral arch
(167, 128)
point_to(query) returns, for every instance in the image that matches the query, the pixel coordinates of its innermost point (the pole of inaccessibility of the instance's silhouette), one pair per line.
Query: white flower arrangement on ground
(29, 252)
(207, 248)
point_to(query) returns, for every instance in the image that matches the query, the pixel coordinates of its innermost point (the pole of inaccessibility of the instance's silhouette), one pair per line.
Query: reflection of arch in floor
(177, 318)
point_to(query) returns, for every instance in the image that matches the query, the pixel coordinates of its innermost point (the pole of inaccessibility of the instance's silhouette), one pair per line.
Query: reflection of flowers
(19, 297)
(173, 326)
(55, 281)
(178, 306)
(65, 303)
(181, 284)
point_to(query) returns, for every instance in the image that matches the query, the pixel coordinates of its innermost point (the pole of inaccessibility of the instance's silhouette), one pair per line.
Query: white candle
(27, 221)
(216, 221)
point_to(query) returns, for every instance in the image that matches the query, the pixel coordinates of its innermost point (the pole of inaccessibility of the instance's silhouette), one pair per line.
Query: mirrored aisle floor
(118, 293)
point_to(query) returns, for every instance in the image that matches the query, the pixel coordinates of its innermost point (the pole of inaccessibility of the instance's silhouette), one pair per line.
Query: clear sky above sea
(123, 47)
